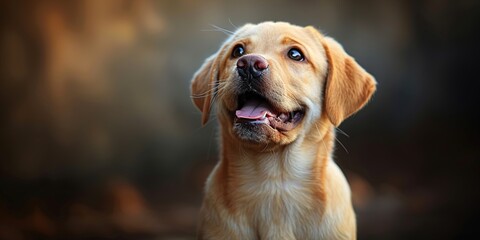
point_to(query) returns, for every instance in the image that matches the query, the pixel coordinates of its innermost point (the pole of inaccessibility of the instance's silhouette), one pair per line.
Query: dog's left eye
(238, 51)
(295, 54)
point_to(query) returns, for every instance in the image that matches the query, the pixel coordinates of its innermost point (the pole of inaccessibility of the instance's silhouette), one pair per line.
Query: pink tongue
(254, 109)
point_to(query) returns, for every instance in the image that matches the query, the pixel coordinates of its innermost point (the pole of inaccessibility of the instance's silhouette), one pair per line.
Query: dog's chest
(280, 202)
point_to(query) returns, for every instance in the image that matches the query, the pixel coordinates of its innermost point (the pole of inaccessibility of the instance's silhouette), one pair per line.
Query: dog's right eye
(296, 54)
(238, 51)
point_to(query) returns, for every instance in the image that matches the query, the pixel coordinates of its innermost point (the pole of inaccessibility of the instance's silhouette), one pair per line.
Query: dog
(279, 91)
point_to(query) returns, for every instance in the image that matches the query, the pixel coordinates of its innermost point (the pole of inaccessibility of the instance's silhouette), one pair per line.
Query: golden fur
(273, 184)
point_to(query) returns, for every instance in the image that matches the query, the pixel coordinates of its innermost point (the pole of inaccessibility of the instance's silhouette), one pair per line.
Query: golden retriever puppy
(279, 91)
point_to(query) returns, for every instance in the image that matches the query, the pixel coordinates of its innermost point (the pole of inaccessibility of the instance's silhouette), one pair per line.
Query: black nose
(251, 66)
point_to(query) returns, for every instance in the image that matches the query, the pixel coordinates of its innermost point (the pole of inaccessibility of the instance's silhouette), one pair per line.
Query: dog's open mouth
(255, 109)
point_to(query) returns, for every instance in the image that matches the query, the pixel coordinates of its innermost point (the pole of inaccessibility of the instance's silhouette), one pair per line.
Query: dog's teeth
(283, 117)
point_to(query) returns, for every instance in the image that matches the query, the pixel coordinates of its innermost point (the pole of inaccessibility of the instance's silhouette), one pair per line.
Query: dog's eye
(295, 54)
(238, 51)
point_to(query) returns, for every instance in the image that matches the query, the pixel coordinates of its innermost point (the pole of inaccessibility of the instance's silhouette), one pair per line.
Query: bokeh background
(99, 139)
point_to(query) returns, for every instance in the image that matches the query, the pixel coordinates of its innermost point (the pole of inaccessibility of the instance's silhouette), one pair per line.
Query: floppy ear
(202, 87)
(348, 86)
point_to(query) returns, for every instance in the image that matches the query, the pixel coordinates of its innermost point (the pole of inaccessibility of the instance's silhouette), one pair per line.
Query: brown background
(99, 139)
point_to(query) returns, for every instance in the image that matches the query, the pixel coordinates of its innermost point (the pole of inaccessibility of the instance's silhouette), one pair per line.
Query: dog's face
(272, 82)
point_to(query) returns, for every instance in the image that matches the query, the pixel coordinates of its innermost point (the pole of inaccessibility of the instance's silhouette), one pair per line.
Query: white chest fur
(276, 196)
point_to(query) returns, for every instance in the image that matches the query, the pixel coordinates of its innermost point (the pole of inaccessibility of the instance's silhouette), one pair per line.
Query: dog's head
(272, 82)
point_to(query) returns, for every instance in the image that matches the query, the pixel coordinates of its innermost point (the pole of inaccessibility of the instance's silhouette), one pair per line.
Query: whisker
(234, 26)
(216, 90)
(212, 89)
(218, 93)
(222, 29)
(319, 133)
(202, 95)
(342, 132)
(216, 30)
(341, 144)
(219, 29)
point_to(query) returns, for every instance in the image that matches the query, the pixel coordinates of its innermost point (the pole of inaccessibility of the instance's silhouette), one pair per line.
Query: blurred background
(99, 138)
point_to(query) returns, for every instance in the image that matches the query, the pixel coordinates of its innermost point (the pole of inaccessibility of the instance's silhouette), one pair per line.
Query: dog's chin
(258, 121)
(255, 132)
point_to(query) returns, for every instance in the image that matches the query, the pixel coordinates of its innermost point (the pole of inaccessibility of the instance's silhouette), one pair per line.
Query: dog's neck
(300, 165)
(303, 156)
